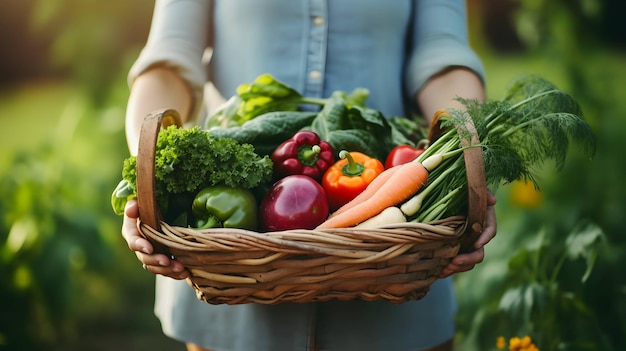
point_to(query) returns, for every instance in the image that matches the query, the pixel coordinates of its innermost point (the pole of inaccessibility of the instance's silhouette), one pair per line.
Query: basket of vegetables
(272, 204)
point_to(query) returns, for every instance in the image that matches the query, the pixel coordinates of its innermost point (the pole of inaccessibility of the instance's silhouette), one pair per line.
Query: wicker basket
(397, 263)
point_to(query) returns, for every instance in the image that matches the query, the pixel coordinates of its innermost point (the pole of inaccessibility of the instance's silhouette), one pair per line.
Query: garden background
(68, 281)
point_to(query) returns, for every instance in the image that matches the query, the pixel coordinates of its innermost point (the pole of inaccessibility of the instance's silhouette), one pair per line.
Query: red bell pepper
(304, 154)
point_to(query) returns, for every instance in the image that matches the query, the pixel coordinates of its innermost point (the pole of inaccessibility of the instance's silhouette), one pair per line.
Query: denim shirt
(391, 47)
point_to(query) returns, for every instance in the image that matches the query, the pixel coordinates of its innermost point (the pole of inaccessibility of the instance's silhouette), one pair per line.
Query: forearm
(157, 88)
(441, 90)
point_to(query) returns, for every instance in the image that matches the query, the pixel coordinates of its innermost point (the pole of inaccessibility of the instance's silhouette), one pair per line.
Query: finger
(131, 209)
(165, 271)
(161, 264)
(490, 230)
(157, 263)
(130, 232)
(468, 259)
(452, 269)
(463, 263)
(134, 240)
(491, 199)
(160, 260)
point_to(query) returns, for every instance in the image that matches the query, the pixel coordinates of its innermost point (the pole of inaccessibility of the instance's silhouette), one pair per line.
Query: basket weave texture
(396, 262)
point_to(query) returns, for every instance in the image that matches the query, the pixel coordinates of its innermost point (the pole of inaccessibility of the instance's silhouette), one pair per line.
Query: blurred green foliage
(69, 282)
(94, 41)
(554, 270)
(66, 273)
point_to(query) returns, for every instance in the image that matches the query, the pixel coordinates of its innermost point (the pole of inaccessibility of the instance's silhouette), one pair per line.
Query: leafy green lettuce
(267, 112)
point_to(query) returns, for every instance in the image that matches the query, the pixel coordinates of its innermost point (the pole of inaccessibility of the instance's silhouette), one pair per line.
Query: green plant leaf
(520, 261)
(583, 242)
(520, 301)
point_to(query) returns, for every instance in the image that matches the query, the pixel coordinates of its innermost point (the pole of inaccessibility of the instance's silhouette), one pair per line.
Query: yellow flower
(525, 342)
(500, 343)
(517, 344)
(524, 194)
(514, 344)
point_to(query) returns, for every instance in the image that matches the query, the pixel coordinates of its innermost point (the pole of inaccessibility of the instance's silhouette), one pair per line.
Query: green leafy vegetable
(533, 123)
(188, 159)
(355, 128)
(267, 131)
(255, 115)
(265, 94)
(407, 128)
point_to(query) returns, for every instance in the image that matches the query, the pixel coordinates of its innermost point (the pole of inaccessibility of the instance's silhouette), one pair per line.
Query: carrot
(402, 184)
(368, 192)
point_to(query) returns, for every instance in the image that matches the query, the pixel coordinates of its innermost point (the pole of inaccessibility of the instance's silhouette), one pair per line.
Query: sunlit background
(68, 282)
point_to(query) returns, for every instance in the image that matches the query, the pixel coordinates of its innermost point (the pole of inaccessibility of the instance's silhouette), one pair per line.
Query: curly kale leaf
(188, 159)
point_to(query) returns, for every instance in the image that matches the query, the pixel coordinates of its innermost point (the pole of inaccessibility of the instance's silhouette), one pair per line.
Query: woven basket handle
(476, 181)
(146, 198)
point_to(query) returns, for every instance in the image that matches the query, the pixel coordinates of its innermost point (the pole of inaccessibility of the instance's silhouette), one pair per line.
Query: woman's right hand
(155, 263)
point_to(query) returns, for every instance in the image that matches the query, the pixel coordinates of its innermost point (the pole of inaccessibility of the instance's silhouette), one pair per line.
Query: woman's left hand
(466, 261)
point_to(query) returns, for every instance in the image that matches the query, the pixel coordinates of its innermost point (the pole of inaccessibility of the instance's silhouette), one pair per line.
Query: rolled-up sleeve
(177, 39)
(439, 40)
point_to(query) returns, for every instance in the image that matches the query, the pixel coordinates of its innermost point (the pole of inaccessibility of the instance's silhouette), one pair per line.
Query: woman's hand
(467, 261)
(155, 263)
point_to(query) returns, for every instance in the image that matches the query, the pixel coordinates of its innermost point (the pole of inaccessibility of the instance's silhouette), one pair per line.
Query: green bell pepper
(221, 206)
(123, 193)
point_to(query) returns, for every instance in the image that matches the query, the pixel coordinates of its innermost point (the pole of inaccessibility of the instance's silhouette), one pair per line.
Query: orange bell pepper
(349, 176)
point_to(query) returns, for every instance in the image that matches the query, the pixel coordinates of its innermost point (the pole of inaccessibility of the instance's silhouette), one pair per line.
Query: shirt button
(318, 21)
(315, 74)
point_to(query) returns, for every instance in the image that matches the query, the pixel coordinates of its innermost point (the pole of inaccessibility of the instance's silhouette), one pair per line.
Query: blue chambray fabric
(390, 47)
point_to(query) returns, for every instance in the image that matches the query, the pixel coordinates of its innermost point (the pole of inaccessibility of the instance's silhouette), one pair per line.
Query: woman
(410, 54)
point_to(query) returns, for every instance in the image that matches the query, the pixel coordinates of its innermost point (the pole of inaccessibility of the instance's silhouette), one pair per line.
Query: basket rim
(330, 241)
